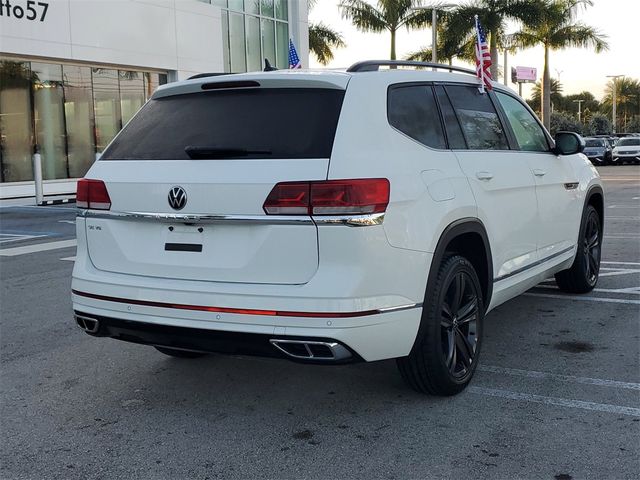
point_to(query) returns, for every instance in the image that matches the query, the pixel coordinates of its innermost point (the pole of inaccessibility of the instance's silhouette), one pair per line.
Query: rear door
(500, 178)
(555, 179)
(188, 177)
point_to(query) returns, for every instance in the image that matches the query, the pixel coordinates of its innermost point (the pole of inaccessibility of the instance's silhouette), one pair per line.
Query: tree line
(583, 113)
(553, 24)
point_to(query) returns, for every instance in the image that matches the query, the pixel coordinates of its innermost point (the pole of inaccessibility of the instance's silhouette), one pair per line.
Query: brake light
(330, 197)
(92, 194)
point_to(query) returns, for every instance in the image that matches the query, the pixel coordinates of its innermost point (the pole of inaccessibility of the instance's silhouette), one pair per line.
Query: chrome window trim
(348, 220)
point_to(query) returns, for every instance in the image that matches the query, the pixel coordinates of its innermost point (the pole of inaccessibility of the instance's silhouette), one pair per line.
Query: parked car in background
(598, 150)
(627, 150)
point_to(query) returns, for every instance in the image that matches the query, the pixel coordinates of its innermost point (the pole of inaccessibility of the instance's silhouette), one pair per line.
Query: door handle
(538, 172)
(484, 175)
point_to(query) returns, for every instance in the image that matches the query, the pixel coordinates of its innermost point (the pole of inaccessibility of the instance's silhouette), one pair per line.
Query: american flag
(294, 60)
(483, 57)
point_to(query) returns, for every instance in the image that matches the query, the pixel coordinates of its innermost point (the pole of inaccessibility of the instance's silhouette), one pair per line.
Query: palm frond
(578, 35)
(364, 16)
(322, 40)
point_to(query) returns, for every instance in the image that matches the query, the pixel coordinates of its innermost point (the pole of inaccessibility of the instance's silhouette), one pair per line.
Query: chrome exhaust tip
(312, 350)
(88, 324)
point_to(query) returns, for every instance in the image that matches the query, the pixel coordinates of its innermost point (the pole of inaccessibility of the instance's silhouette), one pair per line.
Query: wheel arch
(595, 197)
(467, 237)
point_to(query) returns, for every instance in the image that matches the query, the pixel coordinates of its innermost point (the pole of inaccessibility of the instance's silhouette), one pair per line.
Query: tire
(582, 277)
(445, 354)
(173, 352)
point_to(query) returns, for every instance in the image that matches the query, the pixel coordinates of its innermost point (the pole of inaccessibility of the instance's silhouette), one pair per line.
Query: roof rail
(204, 75)
(374, 66)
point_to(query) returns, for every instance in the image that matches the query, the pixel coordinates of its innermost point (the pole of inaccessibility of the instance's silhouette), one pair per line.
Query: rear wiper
(207, 153)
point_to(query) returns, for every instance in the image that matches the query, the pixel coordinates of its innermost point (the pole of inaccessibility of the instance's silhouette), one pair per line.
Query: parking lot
(557, 394)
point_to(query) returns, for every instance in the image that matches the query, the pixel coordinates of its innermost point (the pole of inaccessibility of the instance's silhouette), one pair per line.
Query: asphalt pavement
(557, 395)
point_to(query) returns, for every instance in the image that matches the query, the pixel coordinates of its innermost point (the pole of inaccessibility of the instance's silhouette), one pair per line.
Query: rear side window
(478, 118)
(243, 123)
(412, 110)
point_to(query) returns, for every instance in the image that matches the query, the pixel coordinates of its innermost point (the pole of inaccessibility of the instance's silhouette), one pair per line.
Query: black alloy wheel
(591, 249)
(458, 326)
(445, 353)
(582, 277)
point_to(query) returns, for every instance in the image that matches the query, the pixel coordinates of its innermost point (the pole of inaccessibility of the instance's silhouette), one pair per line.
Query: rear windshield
(248, 123)
(594, 143)
(628, 141)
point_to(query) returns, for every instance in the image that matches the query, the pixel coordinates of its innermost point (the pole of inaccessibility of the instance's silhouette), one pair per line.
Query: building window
(16, 123)
(106, 100)
(253, 30)
(67, 112)
(78, 109)
(50, 130)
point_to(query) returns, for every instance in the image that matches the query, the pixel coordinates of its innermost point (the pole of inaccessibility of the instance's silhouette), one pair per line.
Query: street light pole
(434, 28)
(579, 102)
(615, 100)
(434, 36)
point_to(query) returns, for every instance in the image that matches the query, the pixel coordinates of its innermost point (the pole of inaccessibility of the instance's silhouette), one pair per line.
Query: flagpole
(479, 57)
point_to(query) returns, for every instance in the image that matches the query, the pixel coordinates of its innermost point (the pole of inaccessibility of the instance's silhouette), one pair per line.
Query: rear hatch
(224, 145)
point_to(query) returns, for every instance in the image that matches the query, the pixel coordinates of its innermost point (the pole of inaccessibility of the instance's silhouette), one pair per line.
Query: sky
(577, 69)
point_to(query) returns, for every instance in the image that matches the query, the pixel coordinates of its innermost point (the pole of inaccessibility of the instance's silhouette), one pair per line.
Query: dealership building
(73, 72)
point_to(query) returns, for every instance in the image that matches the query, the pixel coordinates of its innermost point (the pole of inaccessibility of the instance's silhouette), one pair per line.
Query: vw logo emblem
(177, 198)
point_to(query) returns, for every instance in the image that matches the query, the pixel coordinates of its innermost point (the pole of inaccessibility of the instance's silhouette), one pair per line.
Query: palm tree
(493, 15)
(557, 28)
(535, 102)
(390, 15)
(323, 39)
(448, 49)
(627, 97)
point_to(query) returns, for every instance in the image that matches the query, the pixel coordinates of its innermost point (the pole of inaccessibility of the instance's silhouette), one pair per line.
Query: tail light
(330, 197)
(92, 194)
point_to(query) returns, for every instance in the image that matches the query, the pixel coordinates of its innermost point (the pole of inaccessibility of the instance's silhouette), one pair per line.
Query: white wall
(299, 28)
(174, 35)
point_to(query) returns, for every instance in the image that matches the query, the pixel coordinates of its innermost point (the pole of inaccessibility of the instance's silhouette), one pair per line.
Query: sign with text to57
(30, 10)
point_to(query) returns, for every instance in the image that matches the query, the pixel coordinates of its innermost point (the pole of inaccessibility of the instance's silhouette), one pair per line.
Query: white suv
(331, 217)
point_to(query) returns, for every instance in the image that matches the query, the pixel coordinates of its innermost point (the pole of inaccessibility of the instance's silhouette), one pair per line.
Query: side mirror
(568, 143)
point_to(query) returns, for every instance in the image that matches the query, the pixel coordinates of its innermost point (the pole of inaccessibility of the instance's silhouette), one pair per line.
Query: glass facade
(68, 113)
(253, 30)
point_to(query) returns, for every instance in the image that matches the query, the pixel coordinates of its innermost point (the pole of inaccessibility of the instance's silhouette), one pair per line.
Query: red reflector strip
(238, 311)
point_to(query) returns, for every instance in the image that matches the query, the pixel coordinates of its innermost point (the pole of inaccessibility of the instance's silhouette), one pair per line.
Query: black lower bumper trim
(202, 340)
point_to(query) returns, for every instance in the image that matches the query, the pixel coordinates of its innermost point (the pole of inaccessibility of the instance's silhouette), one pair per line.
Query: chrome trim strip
(197, 219)
(534, 264)
(400, 308)
(349, 220)
(352, 221)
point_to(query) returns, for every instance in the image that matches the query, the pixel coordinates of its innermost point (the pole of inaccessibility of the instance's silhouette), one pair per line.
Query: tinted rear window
(286, 123)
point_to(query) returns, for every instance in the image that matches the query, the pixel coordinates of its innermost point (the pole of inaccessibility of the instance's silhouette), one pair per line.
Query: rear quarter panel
(428, 189)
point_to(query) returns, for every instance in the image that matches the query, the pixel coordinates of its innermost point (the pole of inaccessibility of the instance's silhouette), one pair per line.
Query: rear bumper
(214, 341)
(373, 337)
